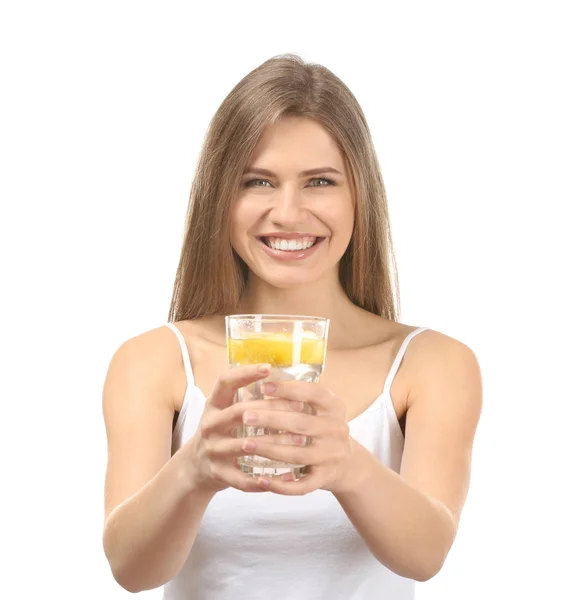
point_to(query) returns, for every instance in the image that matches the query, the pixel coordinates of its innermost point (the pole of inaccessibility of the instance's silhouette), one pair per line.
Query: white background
(104, 107)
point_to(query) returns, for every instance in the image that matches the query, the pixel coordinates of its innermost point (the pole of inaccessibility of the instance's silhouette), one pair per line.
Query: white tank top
(268, 546)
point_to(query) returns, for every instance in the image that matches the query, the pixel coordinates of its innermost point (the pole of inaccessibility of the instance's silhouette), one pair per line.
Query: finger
(315, 395)
(234, 378)
(285, 487)
(267, 404)
(226, 447)
(283, 477)
(231, 447)
(297, 455)
(292, 422)
(223, 421)
(240, 481)
(281, 439)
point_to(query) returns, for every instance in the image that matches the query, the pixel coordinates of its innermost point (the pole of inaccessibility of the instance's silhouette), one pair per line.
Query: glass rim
(276, 318)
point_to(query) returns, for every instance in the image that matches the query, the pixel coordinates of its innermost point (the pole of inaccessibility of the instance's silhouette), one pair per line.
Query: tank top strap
(185, 355)
(398, 360)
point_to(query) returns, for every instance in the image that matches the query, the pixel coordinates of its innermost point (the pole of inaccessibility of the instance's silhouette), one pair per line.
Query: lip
(290, 255)
(287, 236)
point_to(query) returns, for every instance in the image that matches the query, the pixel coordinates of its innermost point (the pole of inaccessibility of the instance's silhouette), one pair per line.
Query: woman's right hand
(212, 452)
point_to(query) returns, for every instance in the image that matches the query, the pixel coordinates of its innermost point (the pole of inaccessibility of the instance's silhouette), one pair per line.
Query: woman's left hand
(329, 451)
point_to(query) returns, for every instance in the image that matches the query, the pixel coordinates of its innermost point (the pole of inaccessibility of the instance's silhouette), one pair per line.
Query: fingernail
(264, 482)
(250, 417)
(299, 439)
(265, 368)
(288, 477)
(249, 445)
(297, 405)
(269, 388)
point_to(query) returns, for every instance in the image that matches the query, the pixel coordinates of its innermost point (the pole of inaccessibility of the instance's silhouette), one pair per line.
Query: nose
(288, 210)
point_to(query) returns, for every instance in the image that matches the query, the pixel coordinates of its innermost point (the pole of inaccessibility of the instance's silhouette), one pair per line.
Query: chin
(288, 284)
(286, 279)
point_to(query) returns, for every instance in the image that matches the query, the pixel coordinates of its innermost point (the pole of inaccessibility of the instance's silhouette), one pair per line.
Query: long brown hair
(211, 277)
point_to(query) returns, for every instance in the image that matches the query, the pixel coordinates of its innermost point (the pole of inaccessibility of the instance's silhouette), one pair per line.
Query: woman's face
(294, 215)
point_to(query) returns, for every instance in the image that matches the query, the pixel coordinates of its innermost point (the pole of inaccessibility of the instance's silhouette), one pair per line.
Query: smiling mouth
(291, 245)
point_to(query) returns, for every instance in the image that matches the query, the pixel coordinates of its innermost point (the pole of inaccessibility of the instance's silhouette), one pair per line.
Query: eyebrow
(267, 173)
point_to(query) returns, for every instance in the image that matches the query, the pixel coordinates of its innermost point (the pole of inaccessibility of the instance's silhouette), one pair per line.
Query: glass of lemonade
(295, 347)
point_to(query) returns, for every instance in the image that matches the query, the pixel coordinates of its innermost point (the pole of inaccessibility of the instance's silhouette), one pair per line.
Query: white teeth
(291, 245)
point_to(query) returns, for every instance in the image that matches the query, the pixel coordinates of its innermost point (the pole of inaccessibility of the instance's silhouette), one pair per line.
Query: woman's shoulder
(154, 359)
(198, 335)
(434, 359)
(371, 330)
(429, 354)
(436, 366)
(436, 347)
(154, 346)
(159, 345)
(428, 341)
(209, 329)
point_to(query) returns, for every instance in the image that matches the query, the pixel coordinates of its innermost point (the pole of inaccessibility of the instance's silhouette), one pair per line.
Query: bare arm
(152, 511)
(154, 503)
(148, 537)
(409, 520)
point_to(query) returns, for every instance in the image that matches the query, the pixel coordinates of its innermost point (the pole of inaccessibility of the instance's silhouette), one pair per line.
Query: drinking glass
(295, 347)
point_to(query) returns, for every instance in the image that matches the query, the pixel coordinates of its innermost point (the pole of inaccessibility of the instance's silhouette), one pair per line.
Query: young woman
(288, 157)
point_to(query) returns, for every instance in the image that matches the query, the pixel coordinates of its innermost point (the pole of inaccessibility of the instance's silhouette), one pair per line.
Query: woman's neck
(314, 299)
